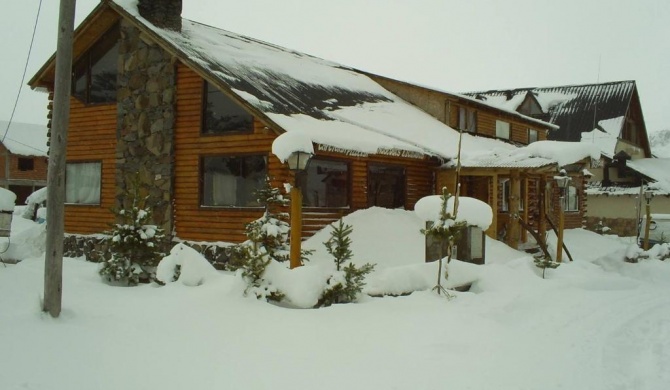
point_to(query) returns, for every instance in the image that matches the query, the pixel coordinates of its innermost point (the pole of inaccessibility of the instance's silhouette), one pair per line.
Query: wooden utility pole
(53, 264)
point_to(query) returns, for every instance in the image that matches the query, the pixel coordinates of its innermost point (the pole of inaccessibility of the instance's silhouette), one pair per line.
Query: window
(532, 136)
(326, 184)
(571, 200)
(26, 164)
(231, 181)
(94, 73)
(502, 129)
(386, 186)
(467, 120)
(82, 183)
(223, 115)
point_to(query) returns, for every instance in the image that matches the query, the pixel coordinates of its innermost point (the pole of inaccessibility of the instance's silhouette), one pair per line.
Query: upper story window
(467, 119)
(26, 164)
(326, 184)
(232, 181)
(532, 136)
(222, 115)
(502, 129)
(95, 72)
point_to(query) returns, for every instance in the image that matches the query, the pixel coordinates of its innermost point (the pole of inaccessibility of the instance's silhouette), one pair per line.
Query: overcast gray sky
(454, 45)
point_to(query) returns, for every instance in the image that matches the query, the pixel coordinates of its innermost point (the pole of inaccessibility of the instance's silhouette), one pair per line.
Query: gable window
(386, 186)
(223, 115)
(467, 120)
(26, 164)
(571, 199)
(502, 129)
(532, 136)
(82, 183)
(95, 72)
(231, 181)
(326, 184)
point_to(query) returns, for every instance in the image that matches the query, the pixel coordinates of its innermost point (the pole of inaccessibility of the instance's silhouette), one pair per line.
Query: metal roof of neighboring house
(575, 108)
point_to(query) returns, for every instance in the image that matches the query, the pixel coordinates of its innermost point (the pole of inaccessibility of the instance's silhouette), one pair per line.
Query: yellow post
(561, 222)
(296, 227)
(647, 224)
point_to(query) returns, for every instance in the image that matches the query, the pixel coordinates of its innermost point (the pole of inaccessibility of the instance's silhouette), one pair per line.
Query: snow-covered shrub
(135, 243)
(33, 202)
(268, 240)
(186, 265)
(345, 284)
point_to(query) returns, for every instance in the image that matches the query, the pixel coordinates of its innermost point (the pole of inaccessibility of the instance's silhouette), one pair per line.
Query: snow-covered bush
(345, 284)
(186, 265)
(33, 211)
(135, 243)
(268, 240)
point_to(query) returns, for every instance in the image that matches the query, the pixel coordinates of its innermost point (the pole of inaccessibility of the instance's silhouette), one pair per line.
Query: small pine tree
(446, 231)
(344, 286)
(339, 243)
(135, 242)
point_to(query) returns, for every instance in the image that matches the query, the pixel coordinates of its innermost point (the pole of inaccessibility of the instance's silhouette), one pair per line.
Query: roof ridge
(550, 87)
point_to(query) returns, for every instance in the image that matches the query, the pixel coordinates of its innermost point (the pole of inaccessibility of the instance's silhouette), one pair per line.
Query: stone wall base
(96, 248)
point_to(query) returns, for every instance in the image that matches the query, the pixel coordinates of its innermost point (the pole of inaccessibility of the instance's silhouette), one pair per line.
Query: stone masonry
(145, 124)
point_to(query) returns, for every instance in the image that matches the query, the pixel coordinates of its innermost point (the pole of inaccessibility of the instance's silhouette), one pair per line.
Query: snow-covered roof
(656, 169)
(24, 139)
(575, 108)
(535, 155)
(335, 105)
(605, 135)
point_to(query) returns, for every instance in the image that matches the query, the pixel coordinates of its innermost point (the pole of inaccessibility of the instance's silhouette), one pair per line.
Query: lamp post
(648, 194)
(562, 181)
(297, 163)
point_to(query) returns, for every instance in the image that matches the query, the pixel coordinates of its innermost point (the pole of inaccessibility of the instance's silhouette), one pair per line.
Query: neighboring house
(23, 158)
(193, 111)
(608, 116)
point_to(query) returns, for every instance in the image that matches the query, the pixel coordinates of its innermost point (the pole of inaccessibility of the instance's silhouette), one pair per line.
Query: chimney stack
(162, 13)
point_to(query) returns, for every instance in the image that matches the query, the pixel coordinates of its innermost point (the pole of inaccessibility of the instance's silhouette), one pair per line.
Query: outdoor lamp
(562, 180)
(648, 194)
(298, 161)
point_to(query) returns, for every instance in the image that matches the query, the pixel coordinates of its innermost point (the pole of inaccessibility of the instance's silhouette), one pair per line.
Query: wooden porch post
(515, 191)
(493, 202)
(542, 206)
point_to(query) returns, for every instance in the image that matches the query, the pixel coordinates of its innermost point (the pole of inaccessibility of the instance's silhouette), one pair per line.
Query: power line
(25, 70)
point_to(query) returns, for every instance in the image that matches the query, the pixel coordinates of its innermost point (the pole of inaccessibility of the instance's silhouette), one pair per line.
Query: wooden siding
(92, 137)
(197, 223)
(444, 107)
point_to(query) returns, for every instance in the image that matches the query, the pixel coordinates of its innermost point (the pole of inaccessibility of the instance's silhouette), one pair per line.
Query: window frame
(206, 87)
(506, 190)
(201, 181)
(403, 190)
(85, 62)
(467, 119)
(500, 127)
(349, 187)
(537, 135)
(21, 164)
(99, 195)
(567, 197)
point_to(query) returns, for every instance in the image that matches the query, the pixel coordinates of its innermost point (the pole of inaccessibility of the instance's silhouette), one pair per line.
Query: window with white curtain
(232, 181)
(502, 129)
(82, 183)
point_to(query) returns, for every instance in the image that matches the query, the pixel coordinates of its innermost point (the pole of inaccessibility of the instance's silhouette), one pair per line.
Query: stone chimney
(162, 13)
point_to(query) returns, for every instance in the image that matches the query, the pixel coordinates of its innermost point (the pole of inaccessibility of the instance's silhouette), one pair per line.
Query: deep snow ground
(596, 323)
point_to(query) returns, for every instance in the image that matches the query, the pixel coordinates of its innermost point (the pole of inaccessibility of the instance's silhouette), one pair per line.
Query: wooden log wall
(92, 137)
(196, 223)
